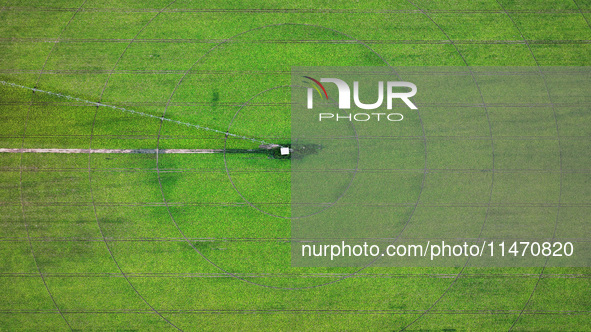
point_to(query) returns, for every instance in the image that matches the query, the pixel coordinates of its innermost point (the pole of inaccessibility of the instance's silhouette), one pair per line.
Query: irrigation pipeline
(126, 110)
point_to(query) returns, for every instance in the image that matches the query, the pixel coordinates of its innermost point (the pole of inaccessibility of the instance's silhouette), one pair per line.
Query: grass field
(166, 242)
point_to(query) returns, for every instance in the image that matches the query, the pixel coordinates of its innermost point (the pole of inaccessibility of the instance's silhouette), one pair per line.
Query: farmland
(193, 242)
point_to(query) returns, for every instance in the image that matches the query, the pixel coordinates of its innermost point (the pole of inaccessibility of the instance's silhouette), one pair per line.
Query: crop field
(191, 241)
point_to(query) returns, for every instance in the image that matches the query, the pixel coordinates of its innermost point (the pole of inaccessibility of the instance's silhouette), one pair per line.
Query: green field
(155, 242)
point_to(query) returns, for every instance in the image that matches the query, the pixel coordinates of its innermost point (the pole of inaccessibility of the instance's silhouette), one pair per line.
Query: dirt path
(148, 151)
